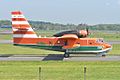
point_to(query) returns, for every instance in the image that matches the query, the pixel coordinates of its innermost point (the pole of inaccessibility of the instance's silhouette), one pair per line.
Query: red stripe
(16, 13)
(23, 32)
(21, 26)
(19, 19)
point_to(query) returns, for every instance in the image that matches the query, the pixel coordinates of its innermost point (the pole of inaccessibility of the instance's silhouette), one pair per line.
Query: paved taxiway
(6, 41)
(55, 57)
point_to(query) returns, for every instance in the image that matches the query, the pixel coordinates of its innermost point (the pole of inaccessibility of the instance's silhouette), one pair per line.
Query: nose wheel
(101, 54)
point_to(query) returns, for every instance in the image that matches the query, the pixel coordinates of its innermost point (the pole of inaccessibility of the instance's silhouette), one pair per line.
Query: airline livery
(71, 42)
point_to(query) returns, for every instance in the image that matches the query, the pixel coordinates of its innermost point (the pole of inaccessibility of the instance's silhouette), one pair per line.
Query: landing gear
(66, 54)
(103, 55)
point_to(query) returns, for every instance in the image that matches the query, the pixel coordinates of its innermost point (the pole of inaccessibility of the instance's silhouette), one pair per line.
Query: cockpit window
(100, 41)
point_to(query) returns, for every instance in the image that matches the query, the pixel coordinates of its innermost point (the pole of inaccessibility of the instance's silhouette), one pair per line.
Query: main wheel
(103, 55)
(66, 55)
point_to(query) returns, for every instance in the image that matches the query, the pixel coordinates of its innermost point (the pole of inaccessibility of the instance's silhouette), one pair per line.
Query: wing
(69, 36)
(65, 32)
(69, 40)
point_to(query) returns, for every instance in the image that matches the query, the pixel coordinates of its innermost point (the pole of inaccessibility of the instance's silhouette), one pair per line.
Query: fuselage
(62, 44)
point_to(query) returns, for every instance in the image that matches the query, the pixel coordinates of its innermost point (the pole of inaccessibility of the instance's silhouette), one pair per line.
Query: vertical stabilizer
(21, 28)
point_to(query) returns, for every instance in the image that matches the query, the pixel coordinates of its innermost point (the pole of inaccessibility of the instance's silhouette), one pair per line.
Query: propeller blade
(87, 30)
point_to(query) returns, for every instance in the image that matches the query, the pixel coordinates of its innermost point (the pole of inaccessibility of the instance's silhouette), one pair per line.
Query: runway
(6, 41)
(6, 33)
(56, 57)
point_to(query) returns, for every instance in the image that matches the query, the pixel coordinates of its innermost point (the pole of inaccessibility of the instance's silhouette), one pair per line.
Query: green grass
(46, 33)
(11, 49)
(6, 37)
(108, 36)
(115, 49)
(59, 70)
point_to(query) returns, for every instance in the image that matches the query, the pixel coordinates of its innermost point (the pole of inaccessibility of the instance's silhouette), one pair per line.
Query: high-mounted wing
(66, 32)
(69, 36)
(78, 33)
(69, 40)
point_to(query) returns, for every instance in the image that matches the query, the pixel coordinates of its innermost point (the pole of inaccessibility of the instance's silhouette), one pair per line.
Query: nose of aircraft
(108, 46)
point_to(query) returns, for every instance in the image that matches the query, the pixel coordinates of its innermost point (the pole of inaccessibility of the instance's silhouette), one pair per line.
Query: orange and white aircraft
(71, 42)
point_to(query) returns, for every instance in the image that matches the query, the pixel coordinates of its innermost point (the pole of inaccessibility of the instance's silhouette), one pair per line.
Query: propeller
(87, 31)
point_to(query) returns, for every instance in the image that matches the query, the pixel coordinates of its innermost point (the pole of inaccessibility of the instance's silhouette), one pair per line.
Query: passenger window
(90, 43)
(65, 43)
(77, 43)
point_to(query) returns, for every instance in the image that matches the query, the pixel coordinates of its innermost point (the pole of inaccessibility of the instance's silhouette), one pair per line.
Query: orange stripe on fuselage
(19, 19)
(23, 32)
(21, 26)
(34, 40)
(16, 13)
(47, 41)
(25, 40)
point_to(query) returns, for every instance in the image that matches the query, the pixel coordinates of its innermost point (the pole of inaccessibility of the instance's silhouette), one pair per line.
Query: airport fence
(59, 73)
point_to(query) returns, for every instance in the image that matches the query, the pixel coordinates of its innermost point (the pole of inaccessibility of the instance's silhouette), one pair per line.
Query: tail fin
(20, 26)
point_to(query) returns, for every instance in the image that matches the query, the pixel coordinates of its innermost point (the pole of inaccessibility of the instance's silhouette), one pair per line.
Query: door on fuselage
(65, 43)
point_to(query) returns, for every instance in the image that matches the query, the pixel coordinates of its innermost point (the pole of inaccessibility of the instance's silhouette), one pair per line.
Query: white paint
(18, 16)
(20, 22)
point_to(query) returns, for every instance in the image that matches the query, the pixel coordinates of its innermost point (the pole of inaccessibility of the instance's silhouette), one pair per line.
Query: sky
(64, 11)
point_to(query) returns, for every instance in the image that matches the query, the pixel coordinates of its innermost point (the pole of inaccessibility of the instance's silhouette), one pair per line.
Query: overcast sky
(64, 11)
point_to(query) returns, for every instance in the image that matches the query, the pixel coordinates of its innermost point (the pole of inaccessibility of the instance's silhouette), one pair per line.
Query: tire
(66, 55)
(103, 55)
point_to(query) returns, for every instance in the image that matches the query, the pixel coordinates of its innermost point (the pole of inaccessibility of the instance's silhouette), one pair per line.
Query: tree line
(41, 25)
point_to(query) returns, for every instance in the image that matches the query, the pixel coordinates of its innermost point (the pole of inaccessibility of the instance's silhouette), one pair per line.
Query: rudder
(21, 28)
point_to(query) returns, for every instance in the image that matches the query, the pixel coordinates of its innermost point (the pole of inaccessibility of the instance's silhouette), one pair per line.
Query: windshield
(100, 40)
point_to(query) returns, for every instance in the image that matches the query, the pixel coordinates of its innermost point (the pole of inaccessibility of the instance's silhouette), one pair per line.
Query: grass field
(6, 37)
(59, 70)
(115, 50)
(11, 49)
(108, 36)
